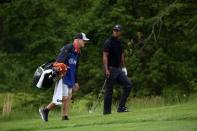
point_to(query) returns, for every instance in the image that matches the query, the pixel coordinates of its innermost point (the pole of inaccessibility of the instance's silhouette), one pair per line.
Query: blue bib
(69, 78)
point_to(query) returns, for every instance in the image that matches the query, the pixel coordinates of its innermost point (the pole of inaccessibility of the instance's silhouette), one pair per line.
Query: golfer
(69, 55)
(115, 70)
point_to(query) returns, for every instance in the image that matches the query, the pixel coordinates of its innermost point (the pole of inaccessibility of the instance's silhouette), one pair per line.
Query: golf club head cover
(61, 68)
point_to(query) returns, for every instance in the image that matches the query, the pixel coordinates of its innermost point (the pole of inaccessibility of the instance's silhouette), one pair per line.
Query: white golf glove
(124, 70)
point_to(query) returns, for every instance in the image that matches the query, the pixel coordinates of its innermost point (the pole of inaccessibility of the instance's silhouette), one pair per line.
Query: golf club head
(90, 111)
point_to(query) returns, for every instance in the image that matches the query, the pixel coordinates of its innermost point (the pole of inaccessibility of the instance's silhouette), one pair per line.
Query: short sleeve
(64, 53)
(106, 46)
(61, 56)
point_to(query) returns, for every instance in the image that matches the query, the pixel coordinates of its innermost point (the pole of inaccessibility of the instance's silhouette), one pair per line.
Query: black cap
(117, 27)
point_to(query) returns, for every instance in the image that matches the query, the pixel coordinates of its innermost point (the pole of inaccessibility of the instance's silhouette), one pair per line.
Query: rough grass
(180, 117)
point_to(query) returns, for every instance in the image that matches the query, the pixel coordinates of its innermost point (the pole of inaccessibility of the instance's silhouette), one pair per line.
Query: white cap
(81, 36)
(84, 37)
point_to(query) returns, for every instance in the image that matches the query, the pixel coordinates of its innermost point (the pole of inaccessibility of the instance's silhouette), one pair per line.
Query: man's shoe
(122, 109)
(44, 114)
(106, 113)
(65, 118)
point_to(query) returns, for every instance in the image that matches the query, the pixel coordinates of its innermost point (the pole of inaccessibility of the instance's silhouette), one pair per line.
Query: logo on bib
(72, 61)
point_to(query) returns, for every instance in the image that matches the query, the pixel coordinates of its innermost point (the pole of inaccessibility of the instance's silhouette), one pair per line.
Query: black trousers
(116, 76)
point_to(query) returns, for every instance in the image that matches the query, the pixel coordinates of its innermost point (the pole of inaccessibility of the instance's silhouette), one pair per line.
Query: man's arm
(105, 63)
(106, 49)
(64, 54)
(76, 71)
(76, 86)
(63, 58)
(122, 60)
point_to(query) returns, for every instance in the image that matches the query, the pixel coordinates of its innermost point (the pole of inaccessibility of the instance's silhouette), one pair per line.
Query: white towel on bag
(39, 84)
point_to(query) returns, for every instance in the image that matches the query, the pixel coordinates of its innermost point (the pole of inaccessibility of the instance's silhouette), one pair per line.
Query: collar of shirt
(76, 46)
(115, 38)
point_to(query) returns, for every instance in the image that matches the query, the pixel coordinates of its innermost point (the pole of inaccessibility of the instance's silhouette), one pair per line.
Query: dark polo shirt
(115, 49)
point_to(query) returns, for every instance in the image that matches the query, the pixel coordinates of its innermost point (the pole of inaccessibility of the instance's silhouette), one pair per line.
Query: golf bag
(45, 75)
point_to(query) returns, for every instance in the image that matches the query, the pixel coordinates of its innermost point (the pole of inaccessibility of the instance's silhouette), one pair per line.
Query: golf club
(94, 106)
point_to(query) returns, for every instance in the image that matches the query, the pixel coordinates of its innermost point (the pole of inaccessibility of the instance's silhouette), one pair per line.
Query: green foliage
(177, 117)
(160, 42)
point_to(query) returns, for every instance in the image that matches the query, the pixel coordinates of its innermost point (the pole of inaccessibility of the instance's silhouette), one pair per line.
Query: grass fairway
(181, 117)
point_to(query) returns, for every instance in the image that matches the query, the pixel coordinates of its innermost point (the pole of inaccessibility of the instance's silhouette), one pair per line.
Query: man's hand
(76, 87)
(107, 73)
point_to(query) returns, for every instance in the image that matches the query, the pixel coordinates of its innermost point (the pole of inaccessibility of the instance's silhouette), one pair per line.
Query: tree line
(159, 40)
